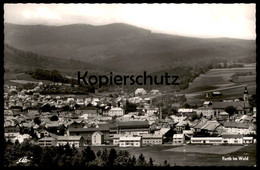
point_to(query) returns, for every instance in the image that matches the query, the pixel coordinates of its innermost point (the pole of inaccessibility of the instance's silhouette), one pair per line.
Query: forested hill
(19, 60)
(124, 48)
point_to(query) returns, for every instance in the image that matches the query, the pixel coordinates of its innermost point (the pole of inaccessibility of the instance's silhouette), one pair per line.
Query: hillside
(124, 48)
(19, 61)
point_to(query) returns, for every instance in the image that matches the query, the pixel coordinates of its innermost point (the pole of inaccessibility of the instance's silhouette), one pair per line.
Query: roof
(151, 135)
(68, 138)
(184, 110)
(223, 105)
(211, 125)
(178, 136)
(101, 127)
(124, 138)
(206, 138)
(200, 125)
(86, 108)
(99, 133)
(232, 136)
(207, 102)
(46, 138)
(235, 125)
(52, 124)
(223, 113)
(116, 108)
(136, 124)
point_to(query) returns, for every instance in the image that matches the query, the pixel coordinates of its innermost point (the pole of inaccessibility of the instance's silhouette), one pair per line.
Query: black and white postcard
(129, 85)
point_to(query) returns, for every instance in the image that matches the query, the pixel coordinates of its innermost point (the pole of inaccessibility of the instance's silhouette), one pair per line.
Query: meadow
(221, 80)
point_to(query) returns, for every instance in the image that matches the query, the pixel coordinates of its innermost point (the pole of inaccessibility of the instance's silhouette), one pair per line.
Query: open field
(220, 80)
(221, 149)
(20, 79)
(176, 157)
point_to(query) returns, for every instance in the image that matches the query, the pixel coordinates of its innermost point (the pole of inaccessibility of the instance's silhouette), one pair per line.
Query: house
(220, 106)
(116, 111)
(232, 139)
(47, 141)
(179, 127)
(135, 100)
(94, 101)
(206, 128)
(76, 123)
(89, 111)
(205, 111)
(21, 138)
(151, 111)
(178, 139)
(11, 132)
(152, 139)
(216, 93)
(86, 133)
(87, 101)
(237, 128)
(247, 140)
(136, 127)
(97, 138)
(80, 101)
(187, 134)
(223, 116)
(206, 140)
(153, 92)
(76, 141)
(130, 141)
(207, 104)
(42, 133)
(184, 111)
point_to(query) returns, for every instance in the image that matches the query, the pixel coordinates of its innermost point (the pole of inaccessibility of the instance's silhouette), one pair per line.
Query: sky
(195, 20)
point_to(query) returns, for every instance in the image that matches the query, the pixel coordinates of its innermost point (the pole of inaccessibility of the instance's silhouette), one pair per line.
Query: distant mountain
(124, 48)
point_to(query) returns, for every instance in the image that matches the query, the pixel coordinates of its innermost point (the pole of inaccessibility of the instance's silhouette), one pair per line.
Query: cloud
(202, 20)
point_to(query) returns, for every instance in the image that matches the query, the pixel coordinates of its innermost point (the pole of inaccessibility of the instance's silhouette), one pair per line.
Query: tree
(165, 163)
(133, 161)
(130, 107)
(54, 118)
(37, 120)
(151, 162)
(230, 110)
(252, 100)
(187, 127)
(141, 160)
(186, 105)
(111, 157)
(88, 155)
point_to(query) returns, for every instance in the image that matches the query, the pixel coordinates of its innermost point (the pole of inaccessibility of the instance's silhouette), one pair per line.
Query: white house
(116, 111)
(130, 141)
(77, 141)
(248, 140)
(152, 139)
(151, 111)
(178, 139)
(97, 138)
(232, 139)
(206, 140)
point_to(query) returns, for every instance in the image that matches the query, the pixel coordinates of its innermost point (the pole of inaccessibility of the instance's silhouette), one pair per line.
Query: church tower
(245, 94)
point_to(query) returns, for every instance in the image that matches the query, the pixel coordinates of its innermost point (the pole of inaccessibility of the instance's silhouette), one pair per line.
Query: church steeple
(245, 94)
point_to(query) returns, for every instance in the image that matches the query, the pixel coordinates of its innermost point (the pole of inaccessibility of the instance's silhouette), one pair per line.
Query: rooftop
(232, 136)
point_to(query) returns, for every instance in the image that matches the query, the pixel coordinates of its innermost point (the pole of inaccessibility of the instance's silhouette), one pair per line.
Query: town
(124, 120)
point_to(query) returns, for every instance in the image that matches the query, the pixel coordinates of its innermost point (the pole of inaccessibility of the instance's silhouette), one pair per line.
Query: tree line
(66, 156)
